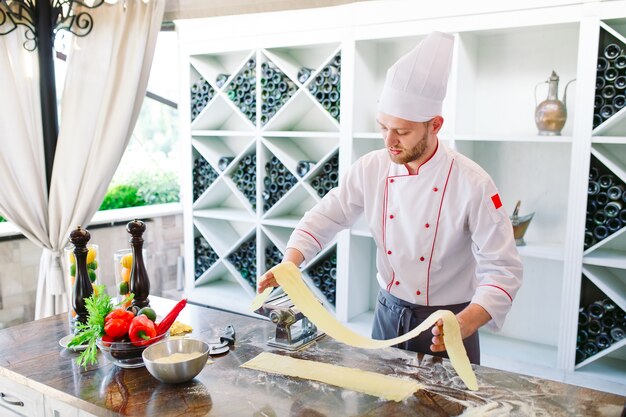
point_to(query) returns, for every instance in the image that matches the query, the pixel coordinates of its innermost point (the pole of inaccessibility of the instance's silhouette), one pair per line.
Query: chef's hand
(269, 280)
(266, 280)
(470, 319)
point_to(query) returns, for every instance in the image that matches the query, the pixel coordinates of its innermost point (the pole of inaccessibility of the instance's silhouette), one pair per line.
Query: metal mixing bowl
(180, 371)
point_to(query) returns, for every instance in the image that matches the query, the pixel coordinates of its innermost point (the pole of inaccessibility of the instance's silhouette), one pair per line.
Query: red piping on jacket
(432, 250)
(384, 225)
(500, 288)
(316, 241)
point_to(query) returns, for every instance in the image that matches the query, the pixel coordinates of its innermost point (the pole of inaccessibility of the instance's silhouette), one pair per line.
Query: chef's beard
(413, 154)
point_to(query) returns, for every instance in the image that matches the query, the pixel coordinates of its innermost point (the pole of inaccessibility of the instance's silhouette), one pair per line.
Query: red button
(422, 258)
(427, 225)
(397, 282)
(388, 252)
(391, 180)
(391, 216)
(435, 189)
(418, 292)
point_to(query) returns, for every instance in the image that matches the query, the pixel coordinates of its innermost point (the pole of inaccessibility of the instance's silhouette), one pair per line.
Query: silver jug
(551, 114)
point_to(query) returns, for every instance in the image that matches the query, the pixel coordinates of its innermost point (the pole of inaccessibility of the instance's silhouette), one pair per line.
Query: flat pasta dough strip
(289, 278)
(372, 383)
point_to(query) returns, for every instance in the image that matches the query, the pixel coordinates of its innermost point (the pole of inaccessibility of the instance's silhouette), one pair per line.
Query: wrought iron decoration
(63, 16)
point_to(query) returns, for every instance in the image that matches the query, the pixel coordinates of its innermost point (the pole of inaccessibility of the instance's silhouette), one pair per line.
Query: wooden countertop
(30, 354)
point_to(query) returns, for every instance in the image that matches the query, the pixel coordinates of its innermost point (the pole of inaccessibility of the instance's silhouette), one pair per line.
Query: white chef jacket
(442, 235)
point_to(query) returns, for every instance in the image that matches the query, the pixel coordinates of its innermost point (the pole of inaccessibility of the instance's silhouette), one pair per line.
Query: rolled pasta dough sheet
(289, 278)
(372, 383)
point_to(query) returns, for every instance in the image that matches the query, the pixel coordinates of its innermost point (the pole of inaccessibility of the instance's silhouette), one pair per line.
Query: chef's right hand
(266, 280)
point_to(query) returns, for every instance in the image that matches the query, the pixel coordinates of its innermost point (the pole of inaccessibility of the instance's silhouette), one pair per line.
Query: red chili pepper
(117, 322)
(167, 322)
(141, 331)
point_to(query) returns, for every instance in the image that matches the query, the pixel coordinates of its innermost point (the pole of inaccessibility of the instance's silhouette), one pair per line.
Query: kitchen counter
(31, 355)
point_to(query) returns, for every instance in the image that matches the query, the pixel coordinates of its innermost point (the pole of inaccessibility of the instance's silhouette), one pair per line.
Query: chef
(444, 240)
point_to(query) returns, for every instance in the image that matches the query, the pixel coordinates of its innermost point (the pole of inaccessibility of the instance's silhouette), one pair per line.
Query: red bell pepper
(165, 324)
(141, 331)
(117, 322)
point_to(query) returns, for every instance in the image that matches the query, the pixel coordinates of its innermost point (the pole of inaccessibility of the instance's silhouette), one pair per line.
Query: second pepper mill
(139, 280)
(82, 285)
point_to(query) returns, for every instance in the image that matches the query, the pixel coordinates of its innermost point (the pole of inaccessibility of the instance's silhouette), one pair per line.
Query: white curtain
(107, 75)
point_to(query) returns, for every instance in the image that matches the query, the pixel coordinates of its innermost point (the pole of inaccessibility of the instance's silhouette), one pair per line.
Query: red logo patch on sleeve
(496, 201)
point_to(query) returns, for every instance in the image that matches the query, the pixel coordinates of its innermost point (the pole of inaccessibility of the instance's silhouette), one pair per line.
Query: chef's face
(405, 140)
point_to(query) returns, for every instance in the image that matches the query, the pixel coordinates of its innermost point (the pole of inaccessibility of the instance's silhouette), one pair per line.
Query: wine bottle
(221, 79)
(603, 341)
(608, 92)
(602, 64)
(590, 348)
(610, 74)
(303, 74)
(590, 240)
(593, 188)
(619, 102)
(594, 327)
(602, 198)
(223, 162)
(615, 192)
(600, 232)
(617, 334)
(613, 225)
(608, 322)
(600, 83)
(595, 310)
(599, 218)
(582, 336)
(598, 102)
(304, 167)
(583, 318)
(620, 61)
(611, 51)
(612, 209)
(580, 355)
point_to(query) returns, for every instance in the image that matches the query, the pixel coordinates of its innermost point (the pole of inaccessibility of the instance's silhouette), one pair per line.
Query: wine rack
(323, 275)
(201, 94)
(205, 256)
(277, 89)
(328, 177)
(203, 176)
(277, 181)
(244, 178)
(610, 95)
(244, 260)
(601, 323)
(242, 90)
(325, 86)
(606, 204)
(273, 256)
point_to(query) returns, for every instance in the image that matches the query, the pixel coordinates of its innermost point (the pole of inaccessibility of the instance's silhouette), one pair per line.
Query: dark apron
(394, 317)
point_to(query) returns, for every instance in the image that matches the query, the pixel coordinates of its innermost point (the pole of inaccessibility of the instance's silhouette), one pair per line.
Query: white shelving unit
(500, 55)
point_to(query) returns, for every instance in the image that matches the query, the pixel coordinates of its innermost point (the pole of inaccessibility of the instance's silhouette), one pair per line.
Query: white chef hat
(416, 84)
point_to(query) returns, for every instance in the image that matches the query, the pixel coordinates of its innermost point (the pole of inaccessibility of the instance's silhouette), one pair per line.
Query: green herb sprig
(98, 305)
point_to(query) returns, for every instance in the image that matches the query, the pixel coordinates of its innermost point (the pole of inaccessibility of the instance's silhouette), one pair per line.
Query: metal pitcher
(551, 114)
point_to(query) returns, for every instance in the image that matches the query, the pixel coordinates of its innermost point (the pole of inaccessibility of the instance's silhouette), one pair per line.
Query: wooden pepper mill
(82, 284)
(139, 280)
